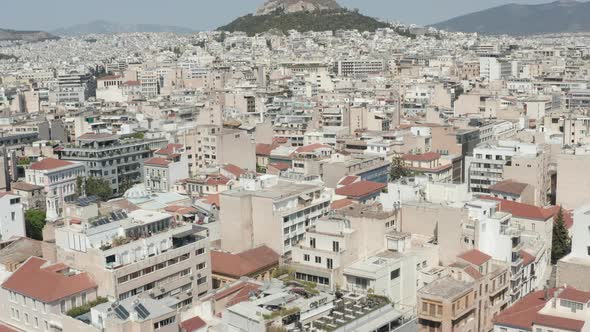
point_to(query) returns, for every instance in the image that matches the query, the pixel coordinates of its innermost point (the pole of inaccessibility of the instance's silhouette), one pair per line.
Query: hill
(514, 19)
(106, 27)
(29, 36)
(303, 21)
(292, 6)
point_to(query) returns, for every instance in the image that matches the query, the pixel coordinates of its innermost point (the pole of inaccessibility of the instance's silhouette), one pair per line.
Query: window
(201, 266)
(200, 251)
(306, 257)
(12, 215)
(394, 274)
(164, 322)
(329, 263)
(318, 259)
(312, 242)
(62, 306)
(335, 246)
(201, 280)
(83, 298)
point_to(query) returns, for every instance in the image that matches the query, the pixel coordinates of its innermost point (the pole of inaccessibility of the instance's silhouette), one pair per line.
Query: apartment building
(211, 145)
(359, 67)
(12, 219)
(494, 68)
(368, 168)
(58, 178)
(395, 271)
(137, 252)
(37, 295)
(571, 190)
(430, 164)
(556, 309)
(270, 211)
(119, 161)
(168, 166)
(573, 268)
(32, 196)
(338, 240)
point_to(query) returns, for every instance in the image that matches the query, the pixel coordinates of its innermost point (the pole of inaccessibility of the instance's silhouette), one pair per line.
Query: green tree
(561, 242)
(398, 169)
(34, 223)
(98, 187)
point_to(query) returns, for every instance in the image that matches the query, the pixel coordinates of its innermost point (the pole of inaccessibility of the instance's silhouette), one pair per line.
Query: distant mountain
(292, 6)
(514, 19)
(302, 15)
(106, 27)
(29, 36)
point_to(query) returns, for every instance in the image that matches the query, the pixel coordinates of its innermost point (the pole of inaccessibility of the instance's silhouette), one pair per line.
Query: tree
(98, 187)
(398, 169)
(34, 223)
(561, 242)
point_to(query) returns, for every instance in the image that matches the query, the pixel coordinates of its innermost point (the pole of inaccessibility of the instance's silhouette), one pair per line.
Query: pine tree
(398, 169)
(561, 242)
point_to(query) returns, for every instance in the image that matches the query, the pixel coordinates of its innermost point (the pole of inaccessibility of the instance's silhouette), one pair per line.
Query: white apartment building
(493, 68)
(137, 252)
(12, 219)
(358, 67)
(38, 295)
(271, 211)
(166, 168)
(58, 177)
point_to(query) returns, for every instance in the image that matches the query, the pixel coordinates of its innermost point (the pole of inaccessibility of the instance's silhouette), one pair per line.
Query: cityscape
(306, 167)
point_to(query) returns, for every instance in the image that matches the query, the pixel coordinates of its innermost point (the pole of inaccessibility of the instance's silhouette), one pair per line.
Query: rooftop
(447, 288)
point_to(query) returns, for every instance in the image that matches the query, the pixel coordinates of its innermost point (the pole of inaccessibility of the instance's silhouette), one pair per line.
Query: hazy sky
(209, 14)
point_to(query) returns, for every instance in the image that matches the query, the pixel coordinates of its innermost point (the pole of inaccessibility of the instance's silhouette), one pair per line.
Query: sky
(209, 14)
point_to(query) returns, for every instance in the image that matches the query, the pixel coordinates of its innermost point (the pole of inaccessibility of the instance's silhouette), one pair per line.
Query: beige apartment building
(270, 211)
(137, 252)
(572, 185)
(210, 145)
(340, 239)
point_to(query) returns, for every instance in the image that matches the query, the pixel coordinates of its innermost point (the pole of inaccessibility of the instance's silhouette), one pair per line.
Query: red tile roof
(235, 289)
(509, 186)
(312, 147)
(526, 258)
(49, 164)
(216, 179)
(475, 257)
(568, 216)
(4, 328)
(192, 324)
(263, 149)
(212, 200)
(157, 161)
(246, 263)
(575, 295)
(428, 156)
(170, 149)
(235, 170)
(348, 180)
(341, 203)
(522, 313)
(475, 274)
(522, 210)
(280, 166)
(360, 189)
(47, 283)
(559, 322)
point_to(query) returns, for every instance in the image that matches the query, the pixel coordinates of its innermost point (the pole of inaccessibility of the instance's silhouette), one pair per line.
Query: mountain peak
(292, 6)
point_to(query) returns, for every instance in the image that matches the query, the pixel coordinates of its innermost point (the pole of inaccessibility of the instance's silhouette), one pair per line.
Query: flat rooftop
(447, 288)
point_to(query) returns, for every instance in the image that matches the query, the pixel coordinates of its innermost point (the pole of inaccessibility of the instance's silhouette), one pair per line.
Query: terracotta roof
(522, 210)
(510, 187)
(428, 156)
(109, 77)
(4, 328)
(235, 289)
(157, 161)
(179, 209)
(192, 324)
(475, 274)
(170, 149)
(235, 170)
(475, 257)
(47, 283)
(130, 83)
(559, 322)
(522, 313)
(263, 149)
(243, 264)
(341, 203)
(280, 166)
(216, 179)
(568, 216)
(575, 295)
(360, 189)
(212, 199)
(526, 258)
(49, 164)
(312, 147)
(348, 180)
